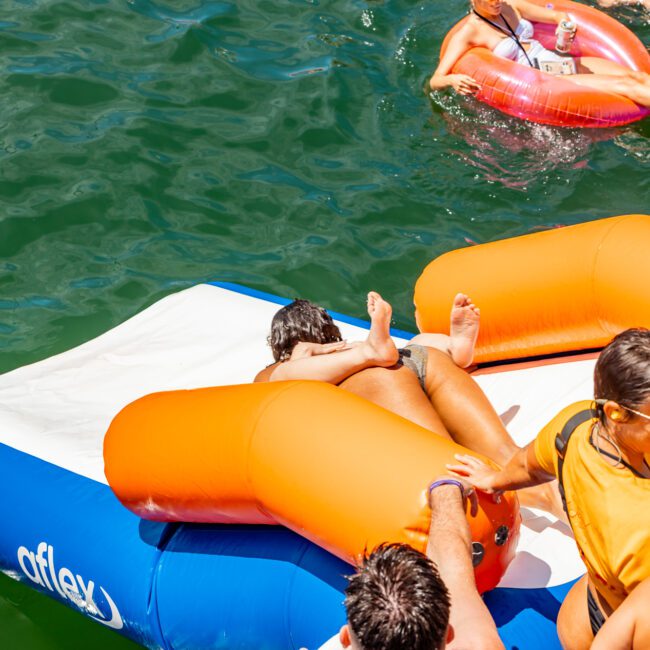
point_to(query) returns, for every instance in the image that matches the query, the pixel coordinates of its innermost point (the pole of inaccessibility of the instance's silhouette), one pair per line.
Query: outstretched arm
(540, 14)
(443, 78)
(523, 470)
(449, 548)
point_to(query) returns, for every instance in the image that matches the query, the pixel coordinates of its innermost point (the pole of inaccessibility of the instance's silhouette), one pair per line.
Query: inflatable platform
(201, 585)
(176, 585)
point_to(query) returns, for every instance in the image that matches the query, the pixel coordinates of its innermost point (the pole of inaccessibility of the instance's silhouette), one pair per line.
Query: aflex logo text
(39, 568)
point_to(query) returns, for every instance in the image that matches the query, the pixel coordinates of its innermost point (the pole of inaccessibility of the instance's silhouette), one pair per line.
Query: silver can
(565, 33)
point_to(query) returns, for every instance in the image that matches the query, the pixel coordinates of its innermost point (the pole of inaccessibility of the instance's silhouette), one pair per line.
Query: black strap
(562, 442)
(512, 33)
(618, 459)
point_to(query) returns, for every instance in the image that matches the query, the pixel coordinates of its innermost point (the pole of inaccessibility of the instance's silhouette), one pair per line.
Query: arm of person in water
(628, 628)
(449, 548)
(463, 84)
(538, 13)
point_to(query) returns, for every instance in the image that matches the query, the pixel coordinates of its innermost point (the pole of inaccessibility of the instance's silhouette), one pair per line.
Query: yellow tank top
(609, 508)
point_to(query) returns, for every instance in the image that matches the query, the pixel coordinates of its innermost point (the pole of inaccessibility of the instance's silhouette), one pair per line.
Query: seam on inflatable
(297, 565)
(249, 480)
(153, 614)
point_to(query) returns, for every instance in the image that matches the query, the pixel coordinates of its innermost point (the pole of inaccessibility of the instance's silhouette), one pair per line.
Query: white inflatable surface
(59, 409)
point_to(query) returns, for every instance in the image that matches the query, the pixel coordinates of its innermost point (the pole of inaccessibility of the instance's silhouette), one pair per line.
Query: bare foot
(380, 345)
(463, 331)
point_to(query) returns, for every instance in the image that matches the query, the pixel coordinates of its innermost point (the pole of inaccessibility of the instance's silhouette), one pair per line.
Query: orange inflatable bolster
(331, 466)
(528, 93)
(560, 290)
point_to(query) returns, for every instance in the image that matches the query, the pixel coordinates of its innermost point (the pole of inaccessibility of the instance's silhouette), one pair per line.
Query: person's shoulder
(512, 4)
(559, 420)
(588, 406)
(471, 30)
(576, 407)
(265, 374)
(470, 25)
(465, 36)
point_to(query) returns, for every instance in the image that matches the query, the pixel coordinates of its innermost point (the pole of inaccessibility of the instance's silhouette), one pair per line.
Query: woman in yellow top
(599, 456)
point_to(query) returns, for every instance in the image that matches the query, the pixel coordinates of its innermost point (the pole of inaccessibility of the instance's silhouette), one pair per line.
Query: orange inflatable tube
(560, 290)
(528, 93)
(331, 466)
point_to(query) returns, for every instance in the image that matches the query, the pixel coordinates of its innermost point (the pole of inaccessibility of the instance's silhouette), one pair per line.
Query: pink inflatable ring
(533, 95)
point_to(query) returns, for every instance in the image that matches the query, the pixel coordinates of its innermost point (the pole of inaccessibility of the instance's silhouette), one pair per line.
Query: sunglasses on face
(641, 415)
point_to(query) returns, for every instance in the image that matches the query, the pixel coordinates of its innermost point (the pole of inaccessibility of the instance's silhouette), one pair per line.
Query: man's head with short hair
(396, 601)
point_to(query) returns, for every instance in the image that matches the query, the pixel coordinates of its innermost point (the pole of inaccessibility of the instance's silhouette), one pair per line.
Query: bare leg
(598, 65)
(472, 422)
(628, 628)
(379, 339)
(465, 410)
(573, 625)
(463, 331)
(454, 406)
(464, 322)
(397, 390)
(612, 77)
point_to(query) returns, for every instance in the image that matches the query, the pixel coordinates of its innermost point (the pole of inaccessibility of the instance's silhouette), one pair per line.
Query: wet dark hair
(622, 372)
(397, 600)
(298, 321)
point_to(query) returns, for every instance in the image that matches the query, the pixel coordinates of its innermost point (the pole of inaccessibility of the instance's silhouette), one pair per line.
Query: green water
(287, 145)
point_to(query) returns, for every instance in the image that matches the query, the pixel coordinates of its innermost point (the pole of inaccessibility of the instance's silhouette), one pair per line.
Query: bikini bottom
(414, 357)
(596, 617)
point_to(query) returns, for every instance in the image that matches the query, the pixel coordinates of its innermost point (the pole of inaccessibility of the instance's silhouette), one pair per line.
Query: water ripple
(150, 145)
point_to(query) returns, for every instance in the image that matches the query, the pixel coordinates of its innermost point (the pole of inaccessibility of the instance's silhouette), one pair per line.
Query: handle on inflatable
(333, 467)
(556, 291)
